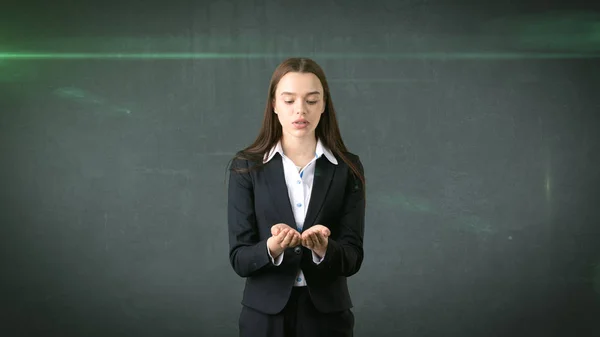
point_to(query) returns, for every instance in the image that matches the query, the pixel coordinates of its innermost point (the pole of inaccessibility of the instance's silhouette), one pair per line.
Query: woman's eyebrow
(292, 93)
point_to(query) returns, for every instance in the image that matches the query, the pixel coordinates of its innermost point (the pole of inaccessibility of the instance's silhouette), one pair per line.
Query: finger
(317, 239)
(278, 228)
(293, 238)
(300, 239)
(288, 239)
(275, 232)
(308, 232)
(322, 229)
(306, 235)
(324, 237)
(297, 239)
(306, 243)
(282, 235)
(324, 240)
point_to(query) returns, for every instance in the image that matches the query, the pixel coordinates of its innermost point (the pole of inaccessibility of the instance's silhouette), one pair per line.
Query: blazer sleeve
(247, 253)
(344, 254)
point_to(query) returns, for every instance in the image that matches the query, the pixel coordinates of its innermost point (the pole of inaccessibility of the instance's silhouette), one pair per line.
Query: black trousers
(299, 318)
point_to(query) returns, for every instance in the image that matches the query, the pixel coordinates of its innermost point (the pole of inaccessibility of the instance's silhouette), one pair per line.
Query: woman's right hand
(283, 237)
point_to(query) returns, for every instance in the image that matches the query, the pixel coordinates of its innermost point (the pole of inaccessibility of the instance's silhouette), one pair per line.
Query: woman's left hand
(316, 238)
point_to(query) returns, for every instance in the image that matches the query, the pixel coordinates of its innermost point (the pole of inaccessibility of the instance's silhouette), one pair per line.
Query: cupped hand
(316, 238)
(283, 236)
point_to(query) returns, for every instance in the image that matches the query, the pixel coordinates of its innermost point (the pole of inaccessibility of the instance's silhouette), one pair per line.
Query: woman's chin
(301, 133)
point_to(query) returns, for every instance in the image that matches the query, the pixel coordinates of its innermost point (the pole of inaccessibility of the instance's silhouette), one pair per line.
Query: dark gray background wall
(477, 123)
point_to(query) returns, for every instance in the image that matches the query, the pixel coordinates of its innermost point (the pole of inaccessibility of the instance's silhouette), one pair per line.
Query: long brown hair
(270, 132)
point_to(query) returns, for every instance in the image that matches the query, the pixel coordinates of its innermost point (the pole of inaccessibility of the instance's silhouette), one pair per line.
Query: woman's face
(299, 102)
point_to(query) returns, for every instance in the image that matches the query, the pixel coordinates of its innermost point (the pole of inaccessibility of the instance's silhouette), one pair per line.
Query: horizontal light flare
(171, 56)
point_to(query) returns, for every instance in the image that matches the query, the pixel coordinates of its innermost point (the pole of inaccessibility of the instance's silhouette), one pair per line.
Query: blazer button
(297, 250)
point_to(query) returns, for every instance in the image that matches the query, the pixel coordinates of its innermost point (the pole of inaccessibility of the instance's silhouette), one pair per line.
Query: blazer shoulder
(242, 162)
(238, 162)
(353, 157)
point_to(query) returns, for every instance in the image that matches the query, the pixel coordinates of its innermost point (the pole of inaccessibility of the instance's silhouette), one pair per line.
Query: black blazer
(259, 199)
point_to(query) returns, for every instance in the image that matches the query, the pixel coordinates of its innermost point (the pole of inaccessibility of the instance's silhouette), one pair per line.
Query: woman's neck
(296, 147)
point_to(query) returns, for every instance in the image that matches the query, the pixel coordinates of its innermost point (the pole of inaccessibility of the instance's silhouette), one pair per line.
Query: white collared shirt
(299, 182)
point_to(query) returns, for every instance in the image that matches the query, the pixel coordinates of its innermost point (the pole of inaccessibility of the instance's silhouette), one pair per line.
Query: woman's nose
(300, 109)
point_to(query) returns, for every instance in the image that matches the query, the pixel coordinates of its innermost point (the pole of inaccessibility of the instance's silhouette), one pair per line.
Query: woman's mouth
(300, 124)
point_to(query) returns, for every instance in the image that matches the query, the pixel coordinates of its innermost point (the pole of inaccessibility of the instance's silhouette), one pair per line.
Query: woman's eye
(309, 102)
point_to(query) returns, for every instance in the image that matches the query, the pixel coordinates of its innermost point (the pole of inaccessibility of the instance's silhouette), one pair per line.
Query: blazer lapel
(275, 178)
(324, 172)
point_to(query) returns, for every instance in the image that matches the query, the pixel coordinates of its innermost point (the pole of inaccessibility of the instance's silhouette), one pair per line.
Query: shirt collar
(319, 151)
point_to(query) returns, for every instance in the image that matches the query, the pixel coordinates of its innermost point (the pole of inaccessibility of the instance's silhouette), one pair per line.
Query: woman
(296, 213)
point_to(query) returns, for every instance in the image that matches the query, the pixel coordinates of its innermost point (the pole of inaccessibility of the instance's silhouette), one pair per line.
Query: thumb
(275, 230)
(325, 231)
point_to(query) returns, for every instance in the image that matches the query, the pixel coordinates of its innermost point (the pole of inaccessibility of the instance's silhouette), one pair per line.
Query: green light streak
(596, 278)
(398, 200)
(551, 31)
(208, 56)
(403, 203)
(85, 97)
(547, 186)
